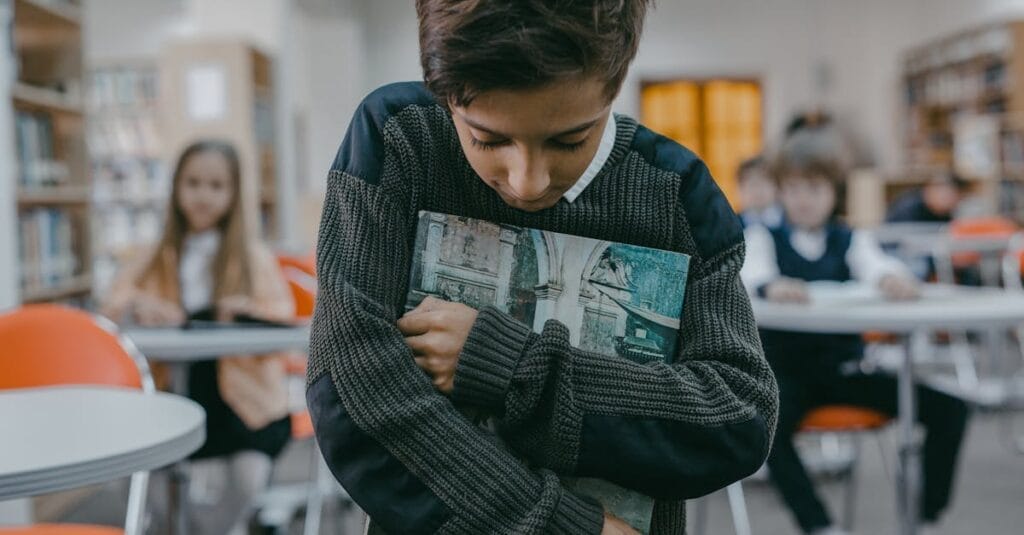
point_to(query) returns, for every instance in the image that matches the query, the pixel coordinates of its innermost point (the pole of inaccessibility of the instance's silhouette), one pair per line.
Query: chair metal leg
(700, 516)
(135, 518)
(318, 489)
(850, 501)
(738, 506)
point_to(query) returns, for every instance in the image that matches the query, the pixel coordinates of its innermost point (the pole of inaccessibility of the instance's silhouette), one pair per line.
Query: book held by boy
(615, 299)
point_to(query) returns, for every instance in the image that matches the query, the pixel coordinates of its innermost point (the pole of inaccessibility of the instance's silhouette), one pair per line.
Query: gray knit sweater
(405, 452)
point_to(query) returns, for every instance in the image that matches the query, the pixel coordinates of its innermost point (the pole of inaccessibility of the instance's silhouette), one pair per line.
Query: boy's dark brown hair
(807, 155)
(471, 46)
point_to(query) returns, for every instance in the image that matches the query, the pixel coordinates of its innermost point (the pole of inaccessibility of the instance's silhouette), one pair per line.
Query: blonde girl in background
(206, 263)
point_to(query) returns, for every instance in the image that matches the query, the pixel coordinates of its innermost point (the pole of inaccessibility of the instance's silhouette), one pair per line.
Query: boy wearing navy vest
(823, 369)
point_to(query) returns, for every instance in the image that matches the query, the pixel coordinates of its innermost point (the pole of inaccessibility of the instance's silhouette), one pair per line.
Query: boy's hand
(152, 311)
(615, 526)
(786, 290)
(436, 331)
(897, 288)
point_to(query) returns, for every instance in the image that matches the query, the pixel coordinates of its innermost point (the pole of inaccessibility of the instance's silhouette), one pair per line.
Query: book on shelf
(619, 300)
(47, 247)
(37, 166)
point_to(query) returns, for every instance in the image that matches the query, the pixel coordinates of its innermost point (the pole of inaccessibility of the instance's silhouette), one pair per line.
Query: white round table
(56, 438)
(854, 309)
(187, 345)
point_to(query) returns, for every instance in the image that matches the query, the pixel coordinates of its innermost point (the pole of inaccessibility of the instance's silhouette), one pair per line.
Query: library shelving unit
(130, 178)
(964, 101)
(224, 89)
(53, 187)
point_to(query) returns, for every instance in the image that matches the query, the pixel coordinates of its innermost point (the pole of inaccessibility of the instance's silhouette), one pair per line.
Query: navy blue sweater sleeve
(401, 450)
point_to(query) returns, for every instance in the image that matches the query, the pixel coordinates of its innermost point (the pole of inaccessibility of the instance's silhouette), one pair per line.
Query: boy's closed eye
(565, 143)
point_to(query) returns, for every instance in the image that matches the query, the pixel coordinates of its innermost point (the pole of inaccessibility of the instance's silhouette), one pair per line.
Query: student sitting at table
(824, 369)
(206, 261)
(757, 194)
(935, 202)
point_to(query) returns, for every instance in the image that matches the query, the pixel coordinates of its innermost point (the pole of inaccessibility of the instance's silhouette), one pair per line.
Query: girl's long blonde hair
(233, 265)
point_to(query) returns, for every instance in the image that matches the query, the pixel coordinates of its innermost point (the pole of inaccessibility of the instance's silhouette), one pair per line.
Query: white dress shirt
(867, 261)
(604, 150)
(195, 273)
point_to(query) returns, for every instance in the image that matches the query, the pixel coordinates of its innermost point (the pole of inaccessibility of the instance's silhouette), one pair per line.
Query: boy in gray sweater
(513, 125)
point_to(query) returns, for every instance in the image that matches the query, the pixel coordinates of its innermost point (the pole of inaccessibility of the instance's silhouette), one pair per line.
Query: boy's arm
(671, 431)
(401, 450)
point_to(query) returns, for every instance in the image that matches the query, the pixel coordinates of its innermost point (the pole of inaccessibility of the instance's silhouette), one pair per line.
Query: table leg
(179, 480)
(909, 457)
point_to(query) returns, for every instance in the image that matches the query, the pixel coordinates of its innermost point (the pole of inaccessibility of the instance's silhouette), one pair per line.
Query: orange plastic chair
(300, 273)
(845, 419)
(979, 227)
(48, 345)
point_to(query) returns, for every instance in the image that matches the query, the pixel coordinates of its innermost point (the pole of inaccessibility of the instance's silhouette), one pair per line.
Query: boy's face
(531, 146)
(757, 190)
(808, 201)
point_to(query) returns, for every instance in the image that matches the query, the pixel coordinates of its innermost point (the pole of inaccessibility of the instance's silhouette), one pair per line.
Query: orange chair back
(300, 273)
(47, 345)
(305, 264)
(838, 418)
(982, 227)
(978, 227)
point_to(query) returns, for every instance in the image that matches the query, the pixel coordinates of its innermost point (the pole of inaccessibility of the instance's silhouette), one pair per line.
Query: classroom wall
(845, 55)
(117, 30)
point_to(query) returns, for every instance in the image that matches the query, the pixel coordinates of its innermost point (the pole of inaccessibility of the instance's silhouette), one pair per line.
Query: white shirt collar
(604, 150)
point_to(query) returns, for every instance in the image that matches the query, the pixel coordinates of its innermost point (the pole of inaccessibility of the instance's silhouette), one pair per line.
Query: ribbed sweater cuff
(577, 514)
(488, 360)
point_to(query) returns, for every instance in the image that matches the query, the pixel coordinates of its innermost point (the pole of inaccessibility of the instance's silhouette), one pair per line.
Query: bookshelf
(53, 187)
(131, 181)
(224, 89)
(964, 105)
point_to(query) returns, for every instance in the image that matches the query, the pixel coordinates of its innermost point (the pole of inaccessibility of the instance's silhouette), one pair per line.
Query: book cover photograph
(615, 299)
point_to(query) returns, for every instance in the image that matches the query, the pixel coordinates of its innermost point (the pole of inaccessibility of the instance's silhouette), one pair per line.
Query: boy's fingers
(414, 324)
(418, 344)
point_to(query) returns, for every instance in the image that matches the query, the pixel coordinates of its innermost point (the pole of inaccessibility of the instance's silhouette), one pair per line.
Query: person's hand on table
(436, 331)
(232, 306)
(616, 526)
(899, 288)
(150, 311)
(787, 290)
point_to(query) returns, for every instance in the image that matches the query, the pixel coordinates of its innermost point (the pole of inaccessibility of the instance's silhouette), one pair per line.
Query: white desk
(853, 309)
(57, 438)
(179, 345)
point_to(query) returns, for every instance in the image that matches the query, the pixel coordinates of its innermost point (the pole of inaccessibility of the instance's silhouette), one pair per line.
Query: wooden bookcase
(53, 190)
(951, 87)
(131, 182)
(224, 89)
